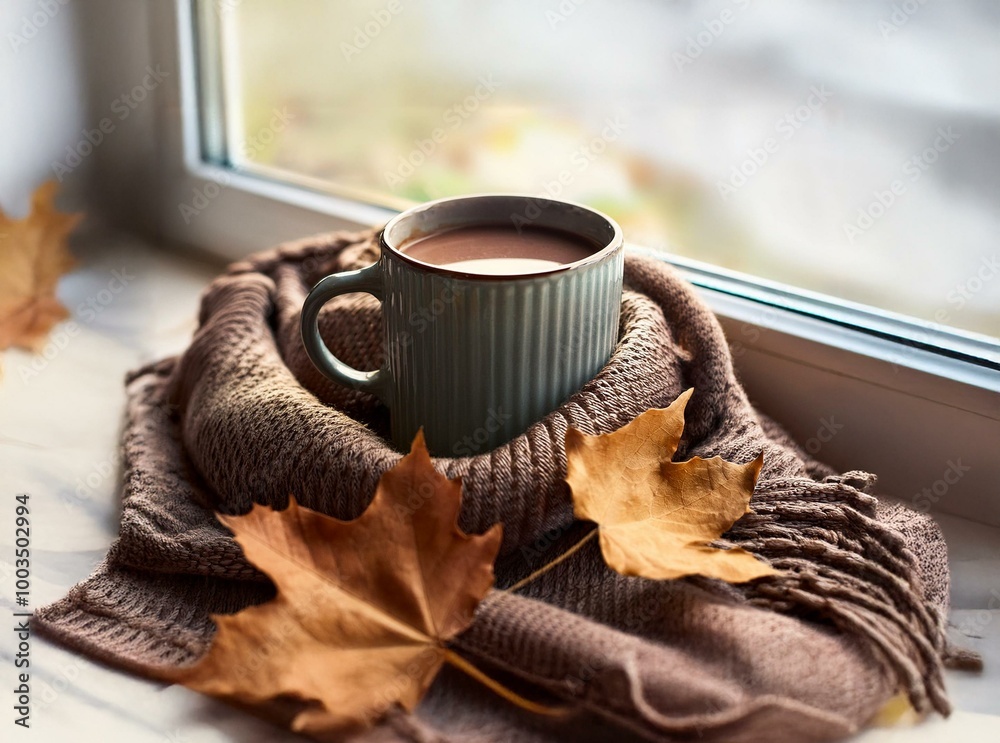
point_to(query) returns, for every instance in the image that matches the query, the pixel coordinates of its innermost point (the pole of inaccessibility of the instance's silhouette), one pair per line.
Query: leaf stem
(496, 687)
(548, 566)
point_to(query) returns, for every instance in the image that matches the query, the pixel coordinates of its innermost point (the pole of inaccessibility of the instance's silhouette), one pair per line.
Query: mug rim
(614, 244)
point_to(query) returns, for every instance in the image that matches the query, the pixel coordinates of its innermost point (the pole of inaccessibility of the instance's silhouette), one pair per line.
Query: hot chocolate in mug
(495, 309)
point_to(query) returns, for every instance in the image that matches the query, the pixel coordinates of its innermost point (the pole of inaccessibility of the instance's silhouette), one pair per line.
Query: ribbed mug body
(476, 361)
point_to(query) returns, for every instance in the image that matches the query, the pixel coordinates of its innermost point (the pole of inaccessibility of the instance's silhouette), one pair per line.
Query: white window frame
(867, 389)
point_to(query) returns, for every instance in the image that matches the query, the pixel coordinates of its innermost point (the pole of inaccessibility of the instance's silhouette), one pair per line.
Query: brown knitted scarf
(856, 615)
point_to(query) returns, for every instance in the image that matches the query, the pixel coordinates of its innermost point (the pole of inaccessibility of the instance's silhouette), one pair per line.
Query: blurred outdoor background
(851, 148)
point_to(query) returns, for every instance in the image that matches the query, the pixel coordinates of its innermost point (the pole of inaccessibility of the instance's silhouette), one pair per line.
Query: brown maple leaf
(33, 255)
(656, 518)
(363, 608)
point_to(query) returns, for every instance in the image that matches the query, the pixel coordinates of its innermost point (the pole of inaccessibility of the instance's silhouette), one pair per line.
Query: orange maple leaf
(33, 255)
(656, 518)
(364, 608)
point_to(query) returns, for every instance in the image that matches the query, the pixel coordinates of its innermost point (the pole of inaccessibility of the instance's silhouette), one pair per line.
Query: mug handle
(368, 280)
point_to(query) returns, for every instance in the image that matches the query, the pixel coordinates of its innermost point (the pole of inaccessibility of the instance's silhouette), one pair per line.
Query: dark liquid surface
(500, 251)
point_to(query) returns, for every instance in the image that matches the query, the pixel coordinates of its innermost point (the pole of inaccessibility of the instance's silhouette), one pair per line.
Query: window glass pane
(851, 148)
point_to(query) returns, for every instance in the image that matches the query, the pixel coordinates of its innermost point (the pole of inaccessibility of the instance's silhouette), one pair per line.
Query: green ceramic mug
(476, 358)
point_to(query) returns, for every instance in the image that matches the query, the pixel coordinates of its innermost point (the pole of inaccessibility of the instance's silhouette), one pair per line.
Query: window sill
(129, 332)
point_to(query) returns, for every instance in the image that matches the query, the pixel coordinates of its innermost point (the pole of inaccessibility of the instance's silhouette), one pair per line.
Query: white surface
(61, 426)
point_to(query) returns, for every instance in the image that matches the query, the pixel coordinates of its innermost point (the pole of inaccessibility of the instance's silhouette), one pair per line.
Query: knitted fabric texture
(242, 417)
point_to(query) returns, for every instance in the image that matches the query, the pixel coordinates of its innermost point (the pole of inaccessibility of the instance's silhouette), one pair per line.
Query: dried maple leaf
(363, 608)
(656, 517)
(896, 712)
(33, 255)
